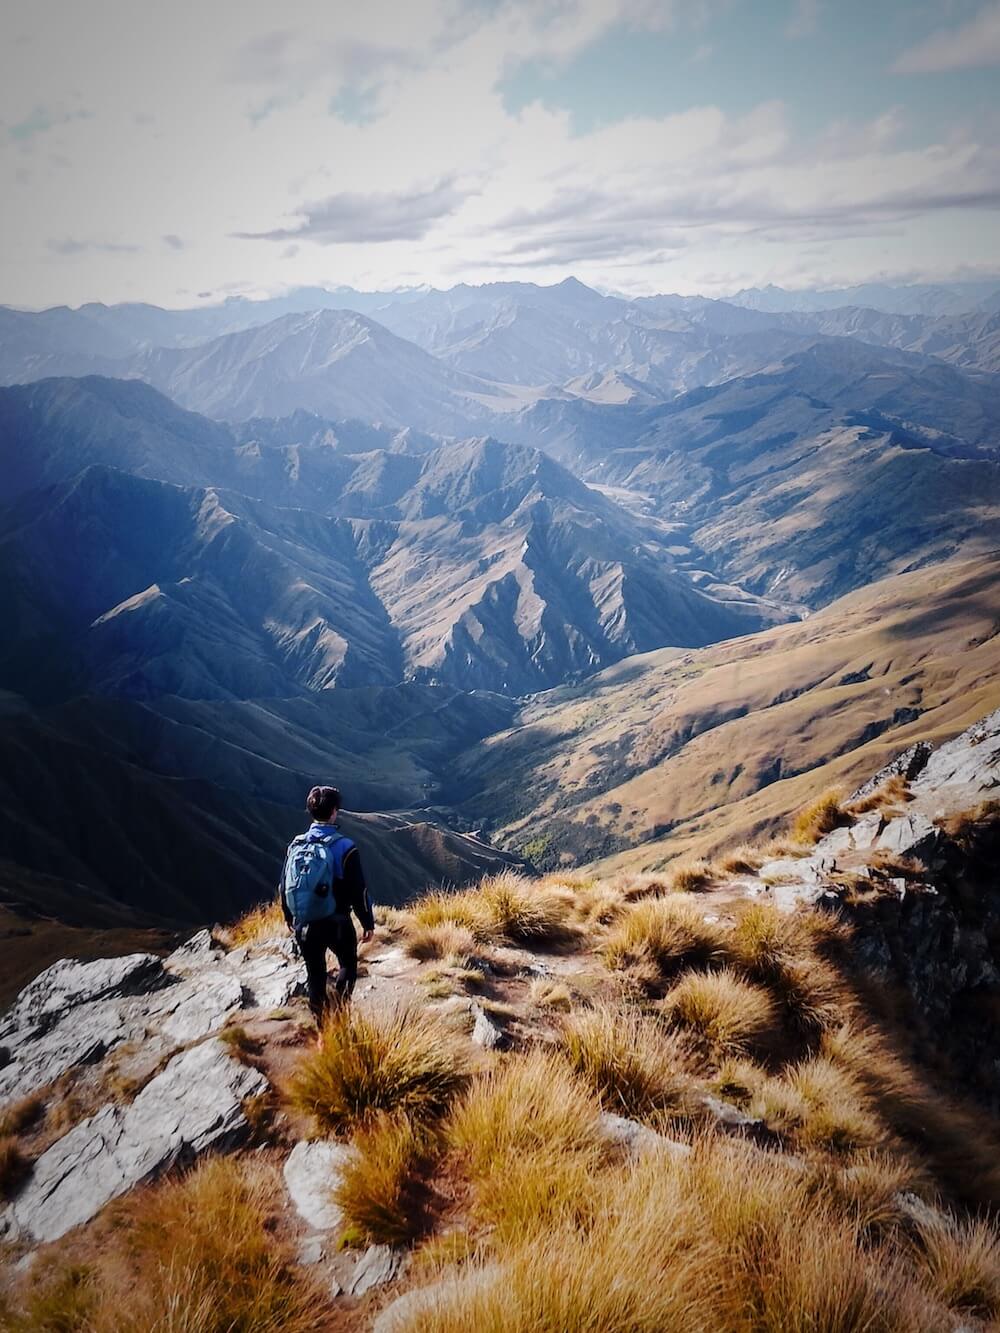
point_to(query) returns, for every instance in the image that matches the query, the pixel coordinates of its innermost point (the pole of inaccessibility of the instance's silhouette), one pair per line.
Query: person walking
(322, 883)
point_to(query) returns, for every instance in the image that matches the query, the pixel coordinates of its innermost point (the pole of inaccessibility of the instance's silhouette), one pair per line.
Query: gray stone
(732, 1120)
(378, 1265)
(68, 984)
(312, 1173)
(908, 765)
(908, 835)
(636, 1138)
(191, 1009)
(194, 1104)
(970, 761)
(866, 831)
(456, 1289)
(312, 1250)
(485, 1032)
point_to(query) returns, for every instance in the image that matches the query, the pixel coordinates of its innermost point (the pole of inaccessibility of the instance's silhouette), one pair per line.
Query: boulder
(194, 1104)
(312, 1173)
(909, 835)
(67, 984)
(971, 761)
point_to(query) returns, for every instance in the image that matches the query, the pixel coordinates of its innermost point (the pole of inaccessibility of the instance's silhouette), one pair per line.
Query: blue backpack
(314, 865)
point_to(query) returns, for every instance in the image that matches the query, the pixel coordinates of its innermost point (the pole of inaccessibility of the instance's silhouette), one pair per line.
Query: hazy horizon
(179, 157)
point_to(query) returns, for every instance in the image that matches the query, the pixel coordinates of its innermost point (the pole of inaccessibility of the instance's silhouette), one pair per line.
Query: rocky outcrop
(196, 1103)
(76, 1013)
(312, 1173)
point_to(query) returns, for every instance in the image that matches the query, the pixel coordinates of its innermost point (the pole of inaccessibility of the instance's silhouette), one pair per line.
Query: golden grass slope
(721, 743)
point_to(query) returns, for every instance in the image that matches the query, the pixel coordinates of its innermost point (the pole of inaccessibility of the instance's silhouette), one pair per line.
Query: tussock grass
(501, 907)
(444, 940)
(632, 1062)
(546, 994)
(382, 1190)
(667, 932)
(820, 817)
(779, 950)
(266, 921)
(17, 1116)
(14, 1166)
(746, 859)
(405, 1062)
(838, 1114)
(869, 1189)
(527, 1137)
(192, 1255)
(731, 1238)
(690, 876)
(962, 1265)
(895, 791)
(973, 828)
(720, 1011)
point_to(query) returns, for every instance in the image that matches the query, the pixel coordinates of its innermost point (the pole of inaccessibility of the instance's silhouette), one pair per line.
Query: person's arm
(281, 895)
(357, 892)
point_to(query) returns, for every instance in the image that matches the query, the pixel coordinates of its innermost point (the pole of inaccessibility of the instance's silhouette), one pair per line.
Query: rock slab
(194, 1104)
(312, 1173)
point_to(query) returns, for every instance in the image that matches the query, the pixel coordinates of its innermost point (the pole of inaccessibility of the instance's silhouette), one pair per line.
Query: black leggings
(337, 934)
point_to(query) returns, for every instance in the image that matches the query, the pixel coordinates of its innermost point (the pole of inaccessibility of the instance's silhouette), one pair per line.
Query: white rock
(912, 833)
(312, 1173)
(485, 1032)
(195, 1103)
(637, 1138)
(378, 1265)
(68, 983)
(312, 1250)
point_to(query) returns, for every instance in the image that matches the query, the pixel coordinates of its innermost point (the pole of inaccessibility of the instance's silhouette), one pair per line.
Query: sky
(185, 153)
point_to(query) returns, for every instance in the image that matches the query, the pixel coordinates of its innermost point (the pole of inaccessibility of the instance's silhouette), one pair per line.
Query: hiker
(321, 884)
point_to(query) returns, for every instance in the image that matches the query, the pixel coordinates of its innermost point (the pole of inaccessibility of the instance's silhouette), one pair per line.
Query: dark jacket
(351, 891)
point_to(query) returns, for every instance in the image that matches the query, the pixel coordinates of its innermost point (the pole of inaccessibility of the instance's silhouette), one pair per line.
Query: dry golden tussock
(20, 1115)
(634, 1064)
(444, 940)
(721, 1013)
(894, 792)
(962, 1265)
(820, 817)
(546, 994)
(501, 907)
(382, 1190)
(263, 922)
(668, 932)
(404, 1061)
(198, 1253)
(746, 859)
(690, 876)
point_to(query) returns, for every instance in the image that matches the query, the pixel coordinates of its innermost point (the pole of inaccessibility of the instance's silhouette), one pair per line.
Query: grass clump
(746, 859)
(402, 1062)
(382, 1190)
(14, 1167)
(17, 1116)
(546, 994)
(446, 939)
(836, 1112)
(895, 791)
(266, 921)
(526, 1135)
(818, 818)
(501, 907)
(720, 1011)
(631, 1061)
(961, 1261)
(666, 932)
(197, 1254)
(690, 876)
(780, 950)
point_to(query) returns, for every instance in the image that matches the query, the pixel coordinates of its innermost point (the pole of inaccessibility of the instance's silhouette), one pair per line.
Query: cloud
(972, 45)
(173, 242)
(71, 246)
(40, 120)
(379, 216)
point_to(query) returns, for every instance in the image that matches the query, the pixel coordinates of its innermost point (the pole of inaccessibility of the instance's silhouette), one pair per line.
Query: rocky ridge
(903, 876)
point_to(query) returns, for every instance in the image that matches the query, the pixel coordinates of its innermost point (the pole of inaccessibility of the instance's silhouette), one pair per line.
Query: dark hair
(322, 802)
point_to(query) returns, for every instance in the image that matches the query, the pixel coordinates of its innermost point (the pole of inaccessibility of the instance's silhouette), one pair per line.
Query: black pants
(337, 934)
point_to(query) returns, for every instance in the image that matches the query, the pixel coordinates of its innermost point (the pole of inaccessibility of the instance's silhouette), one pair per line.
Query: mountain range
(510, 563)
